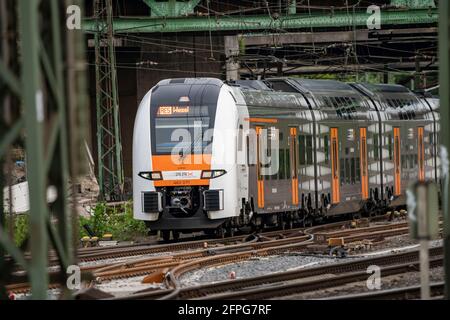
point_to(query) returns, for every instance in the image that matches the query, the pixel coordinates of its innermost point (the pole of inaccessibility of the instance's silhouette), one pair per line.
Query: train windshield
(186, 134)
(182, 117)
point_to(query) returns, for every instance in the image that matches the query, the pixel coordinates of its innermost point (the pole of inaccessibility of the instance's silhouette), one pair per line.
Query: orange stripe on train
(196, 162)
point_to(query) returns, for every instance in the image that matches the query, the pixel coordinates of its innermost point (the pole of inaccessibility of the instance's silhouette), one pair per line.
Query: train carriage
(343, 156)
(216, 156)
(277, 120)
(406, 139)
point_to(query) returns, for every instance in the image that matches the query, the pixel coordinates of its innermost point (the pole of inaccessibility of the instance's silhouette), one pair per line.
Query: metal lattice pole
(41, 126)
(33, 113)
(109, 148)
(444, 94)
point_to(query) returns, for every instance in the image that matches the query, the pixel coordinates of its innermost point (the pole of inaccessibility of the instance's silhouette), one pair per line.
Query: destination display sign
(172, 110)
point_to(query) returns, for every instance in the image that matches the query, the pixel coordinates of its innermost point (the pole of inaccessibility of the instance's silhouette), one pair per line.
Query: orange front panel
(335, 187)
(189, 163)
(258, 169)
(364, 165)
(397, 166)
(294, 175)
(421, 154)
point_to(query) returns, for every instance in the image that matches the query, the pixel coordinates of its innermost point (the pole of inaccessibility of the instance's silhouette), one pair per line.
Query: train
(215, 156)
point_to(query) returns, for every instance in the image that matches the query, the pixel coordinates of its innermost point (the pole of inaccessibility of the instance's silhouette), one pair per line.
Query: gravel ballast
(255, 267)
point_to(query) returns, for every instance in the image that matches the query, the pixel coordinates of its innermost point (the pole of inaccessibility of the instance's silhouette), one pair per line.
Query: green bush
(20, 227)
(117, 221)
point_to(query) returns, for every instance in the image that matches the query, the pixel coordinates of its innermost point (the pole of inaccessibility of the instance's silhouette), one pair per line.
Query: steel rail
(202, 291)
(410, 292)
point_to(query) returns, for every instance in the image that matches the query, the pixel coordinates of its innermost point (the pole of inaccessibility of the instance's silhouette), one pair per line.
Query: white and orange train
(215, 156)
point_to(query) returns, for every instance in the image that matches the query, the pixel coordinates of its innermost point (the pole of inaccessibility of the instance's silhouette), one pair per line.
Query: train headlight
(211, 174)
(151, 175)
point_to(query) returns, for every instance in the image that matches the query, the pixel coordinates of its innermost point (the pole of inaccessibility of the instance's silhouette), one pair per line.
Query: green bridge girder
(174, 8)
(265, 22)
(414, 3)
(171, 8)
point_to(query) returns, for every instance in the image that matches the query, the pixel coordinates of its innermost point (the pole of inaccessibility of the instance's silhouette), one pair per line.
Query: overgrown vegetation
(20, 229)
(118, 221)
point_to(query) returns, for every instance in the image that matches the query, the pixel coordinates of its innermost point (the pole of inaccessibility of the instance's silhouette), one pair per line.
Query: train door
(293, 146)
(242, 163)
(259, 176)
(397, 166)
(363, 163)
(335, 187)
(420, 154)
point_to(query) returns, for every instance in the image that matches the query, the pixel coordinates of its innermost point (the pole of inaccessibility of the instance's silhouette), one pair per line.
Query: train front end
(184, 173)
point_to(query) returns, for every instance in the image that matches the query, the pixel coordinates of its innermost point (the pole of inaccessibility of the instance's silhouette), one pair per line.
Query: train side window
(358, 169)
(301, 150)
(309, 149)
(281, 164)
(269, 142)
(267, 152)
(342, 169)
(390, 146)
(287, 159)
(376, 147)
(240, 137)
(326, 149)
(249, 163)
(352, 170)
(274, 163)
(347, 171)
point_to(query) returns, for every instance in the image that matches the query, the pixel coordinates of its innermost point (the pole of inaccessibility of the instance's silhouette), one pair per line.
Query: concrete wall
(167, 51)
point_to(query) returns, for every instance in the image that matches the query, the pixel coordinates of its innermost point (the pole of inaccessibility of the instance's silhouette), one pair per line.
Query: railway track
(145, 266)
(272, 285)
(181, 263)
(129, 250)
(186, 256)
(287, 289)
(99, 253)
(405, 293)
(201, 258)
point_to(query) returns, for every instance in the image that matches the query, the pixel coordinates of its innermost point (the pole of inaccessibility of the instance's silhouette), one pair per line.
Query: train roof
(323, 85)
(251, 85)
(191, 81)
(385, 88)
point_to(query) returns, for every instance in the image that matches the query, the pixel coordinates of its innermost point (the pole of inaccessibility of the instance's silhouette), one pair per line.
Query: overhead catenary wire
(292, 54)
